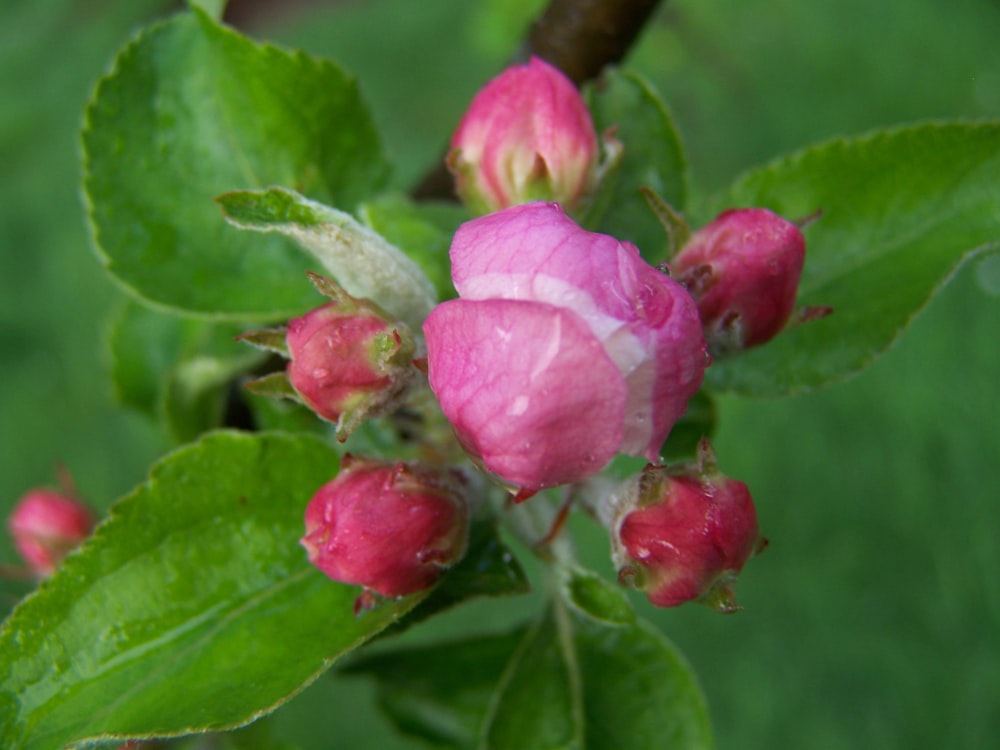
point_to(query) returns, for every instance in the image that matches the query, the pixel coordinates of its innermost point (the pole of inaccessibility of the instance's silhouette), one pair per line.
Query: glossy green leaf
(440, 692)
(596, 684)
(539, 701)
(638, 692)
(361, 261)
(902, 210)
(591, 676)
(190, 110)
(191, 608)
(653, 158)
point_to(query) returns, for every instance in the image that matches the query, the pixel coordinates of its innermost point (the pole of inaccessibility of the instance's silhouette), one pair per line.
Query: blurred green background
(873, 620)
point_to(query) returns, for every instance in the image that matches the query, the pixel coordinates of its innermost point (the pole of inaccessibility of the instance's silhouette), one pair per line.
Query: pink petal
(528, 388)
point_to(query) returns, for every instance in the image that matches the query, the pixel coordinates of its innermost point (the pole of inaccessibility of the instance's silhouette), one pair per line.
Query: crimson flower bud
(349, 361)
(391, 528)
(526, 136)
(684, 534)
(743, 270)
(46, 525)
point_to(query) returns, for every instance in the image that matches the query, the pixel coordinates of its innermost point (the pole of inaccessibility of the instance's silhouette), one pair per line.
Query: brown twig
(580, 37)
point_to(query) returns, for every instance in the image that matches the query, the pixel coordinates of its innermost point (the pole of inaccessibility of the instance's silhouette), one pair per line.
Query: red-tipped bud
(743, 270)
(46, 525)
(391, 528)
(526, 136)
(349, 361)
(682, 535)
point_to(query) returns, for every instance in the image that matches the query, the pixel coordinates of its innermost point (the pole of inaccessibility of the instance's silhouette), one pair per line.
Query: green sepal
(677, 229)
(275, 385)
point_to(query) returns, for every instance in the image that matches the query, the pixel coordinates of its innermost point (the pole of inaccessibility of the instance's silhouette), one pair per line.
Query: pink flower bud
(46, 525)
(391, 528)
(684, 536)
(527, 136)
(564, 348)
(348, 361)
(743, 269)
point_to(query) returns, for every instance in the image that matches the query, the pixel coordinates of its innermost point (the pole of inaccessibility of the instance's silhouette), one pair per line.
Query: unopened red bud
(46, 525)
(349, 361)
(390, 527)
(683, 535)
(743, 270)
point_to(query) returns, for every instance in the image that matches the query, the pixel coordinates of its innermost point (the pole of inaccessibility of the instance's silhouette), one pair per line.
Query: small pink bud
(391, 528)
(684, 535)
(564, 348)
(743, 269)
(46, 525)
(349, 361)
(526, 136)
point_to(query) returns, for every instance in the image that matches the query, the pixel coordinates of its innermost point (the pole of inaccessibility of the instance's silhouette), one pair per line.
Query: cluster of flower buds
(564, 348)
(682, 533)
(527, 135)
(389, 527)
(46, 525)
(350, 360)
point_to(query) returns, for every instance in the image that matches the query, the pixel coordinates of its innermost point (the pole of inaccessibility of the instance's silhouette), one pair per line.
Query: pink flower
(527, 136)
(46, 525)
(684, 536)
(564, 348)
(392, 528)
(743, 269)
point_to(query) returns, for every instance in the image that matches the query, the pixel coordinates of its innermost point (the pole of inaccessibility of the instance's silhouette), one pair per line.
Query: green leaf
(538, 703)
(190, 110)
(361, 260)
(422, 230)
(178, 370)
(591, 675)
(638, 692)
(588, 675)
(653, 158)
(699, 421)
(902, 211)
(440, 692)
(192, 608)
